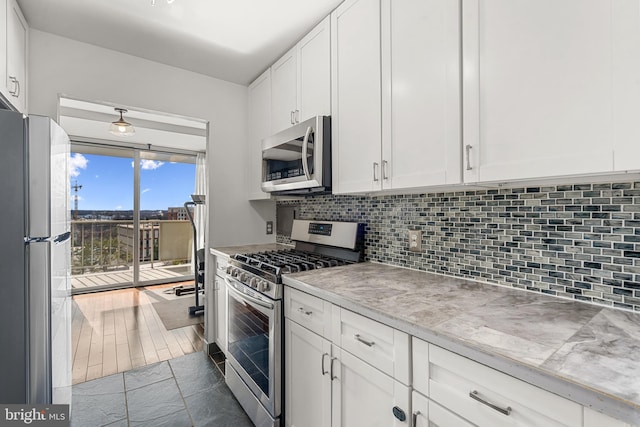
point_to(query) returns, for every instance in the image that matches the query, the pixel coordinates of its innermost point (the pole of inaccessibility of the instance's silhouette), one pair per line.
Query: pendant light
(120, 127)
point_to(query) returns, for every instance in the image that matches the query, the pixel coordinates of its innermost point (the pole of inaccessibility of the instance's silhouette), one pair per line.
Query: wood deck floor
(119, 278)
(115, 331)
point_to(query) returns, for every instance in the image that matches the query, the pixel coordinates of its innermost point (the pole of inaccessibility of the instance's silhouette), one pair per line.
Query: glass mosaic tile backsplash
(574, 241)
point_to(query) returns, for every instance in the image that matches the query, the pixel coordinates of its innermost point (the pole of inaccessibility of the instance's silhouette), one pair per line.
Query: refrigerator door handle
(62, 238)
(58, 240)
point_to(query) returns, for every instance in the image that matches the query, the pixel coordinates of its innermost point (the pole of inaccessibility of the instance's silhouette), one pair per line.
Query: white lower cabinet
(328, 385)
(427, 413)
(216, 302)
(597, 419)
(364, 396)
(325, 385)
(487, 397)
(307, 377)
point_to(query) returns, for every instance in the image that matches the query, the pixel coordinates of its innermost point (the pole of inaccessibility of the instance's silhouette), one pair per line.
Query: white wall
(59, 65)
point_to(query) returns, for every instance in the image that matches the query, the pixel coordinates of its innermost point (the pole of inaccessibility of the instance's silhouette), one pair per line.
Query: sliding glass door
(129, 225)
(166, 235)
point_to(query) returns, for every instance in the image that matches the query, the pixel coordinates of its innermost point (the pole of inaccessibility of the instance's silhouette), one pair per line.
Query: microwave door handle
(305, 145)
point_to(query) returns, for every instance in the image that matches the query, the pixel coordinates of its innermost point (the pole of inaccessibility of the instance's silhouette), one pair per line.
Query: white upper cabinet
(421, 139)
(16, 71)
(396, 95)
(283, 95)
(355, 96)
(300, 80)
(314, 72)
(550, 88)
(259, 128)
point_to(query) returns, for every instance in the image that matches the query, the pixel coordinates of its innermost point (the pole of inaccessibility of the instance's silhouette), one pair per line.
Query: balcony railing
(108, 246)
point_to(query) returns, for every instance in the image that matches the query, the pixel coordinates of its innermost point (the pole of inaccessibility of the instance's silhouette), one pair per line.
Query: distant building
(178, 214)
(148, 240)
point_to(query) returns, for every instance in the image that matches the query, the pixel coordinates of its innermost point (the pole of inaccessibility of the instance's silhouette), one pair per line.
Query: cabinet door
(283, 91)
(259, 128)
(17, 30)
(421, 93)
(314, 72)
(356, 97)
(429, 414)
(307, 378)
(546, 86)
(221, 314)
(364, 396)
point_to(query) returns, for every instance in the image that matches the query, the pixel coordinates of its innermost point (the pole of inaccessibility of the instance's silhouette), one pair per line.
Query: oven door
(254, 334)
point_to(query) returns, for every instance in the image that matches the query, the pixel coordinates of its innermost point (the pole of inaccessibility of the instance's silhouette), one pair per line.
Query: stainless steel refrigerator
(35, 257)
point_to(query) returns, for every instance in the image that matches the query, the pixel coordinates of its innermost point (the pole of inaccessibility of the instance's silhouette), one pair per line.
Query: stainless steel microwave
(297, 161)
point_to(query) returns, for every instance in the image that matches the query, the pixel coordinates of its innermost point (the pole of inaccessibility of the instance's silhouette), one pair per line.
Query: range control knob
(229, 269)
(253, 282)
(235, 272)
(242, 277)
(263, 286)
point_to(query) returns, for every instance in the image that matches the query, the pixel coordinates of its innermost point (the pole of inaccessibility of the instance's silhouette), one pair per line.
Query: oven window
(249, 341)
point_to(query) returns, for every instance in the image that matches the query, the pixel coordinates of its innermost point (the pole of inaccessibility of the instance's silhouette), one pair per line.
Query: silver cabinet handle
(415, 418)
(363, 341)
(16, 85)
(333, 377)
(306, 313)
(296, 116)
(291, 118)
(476, 396)
(305, 148)
(468, 154)
(385, 166)
(375, 171)
(323, 371)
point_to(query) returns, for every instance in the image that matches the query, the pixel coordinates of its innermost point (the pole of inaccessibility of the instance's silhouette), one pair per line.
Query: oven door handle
(305, 147)
(246, 297)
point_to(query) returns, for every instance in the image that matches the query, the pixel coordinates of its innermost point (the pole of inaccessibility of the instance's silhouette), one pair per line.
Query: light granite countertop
(586, 353)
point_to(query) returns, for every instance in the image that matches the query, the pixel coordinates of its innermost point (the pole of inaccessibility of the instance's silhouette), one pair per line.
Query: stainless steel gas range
(254, 311)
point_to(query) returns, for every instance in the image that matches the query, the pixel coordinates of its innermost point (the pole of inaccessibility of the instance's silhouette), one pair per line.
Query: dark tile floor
(186, 391)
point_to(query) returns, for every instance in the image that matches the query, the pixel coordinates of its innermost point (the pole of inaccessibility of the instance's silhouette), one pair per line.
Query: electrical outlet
(269, 227)
(415, 240)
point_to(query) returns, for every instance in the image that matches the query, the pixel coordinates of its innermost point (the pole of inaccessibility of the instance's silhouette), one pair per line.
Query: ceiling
(89, 122)
(234, 40)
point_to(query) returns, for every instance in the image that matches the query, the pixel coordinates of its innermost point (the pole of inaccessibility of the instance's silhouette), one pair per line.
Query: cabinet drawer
(469, 388)
(311, 312)
(379, 345)
(596, 419)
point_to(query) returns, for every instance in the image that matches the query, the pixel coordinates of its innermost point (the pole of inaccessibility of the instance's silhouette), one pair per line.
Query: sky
(107, 183)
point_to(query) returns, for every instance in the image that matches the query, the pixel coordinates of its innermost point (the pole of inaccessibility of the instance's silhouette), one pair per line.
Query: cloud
(119, 208)
(146, 190)
(76, 162)
(149, 164)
